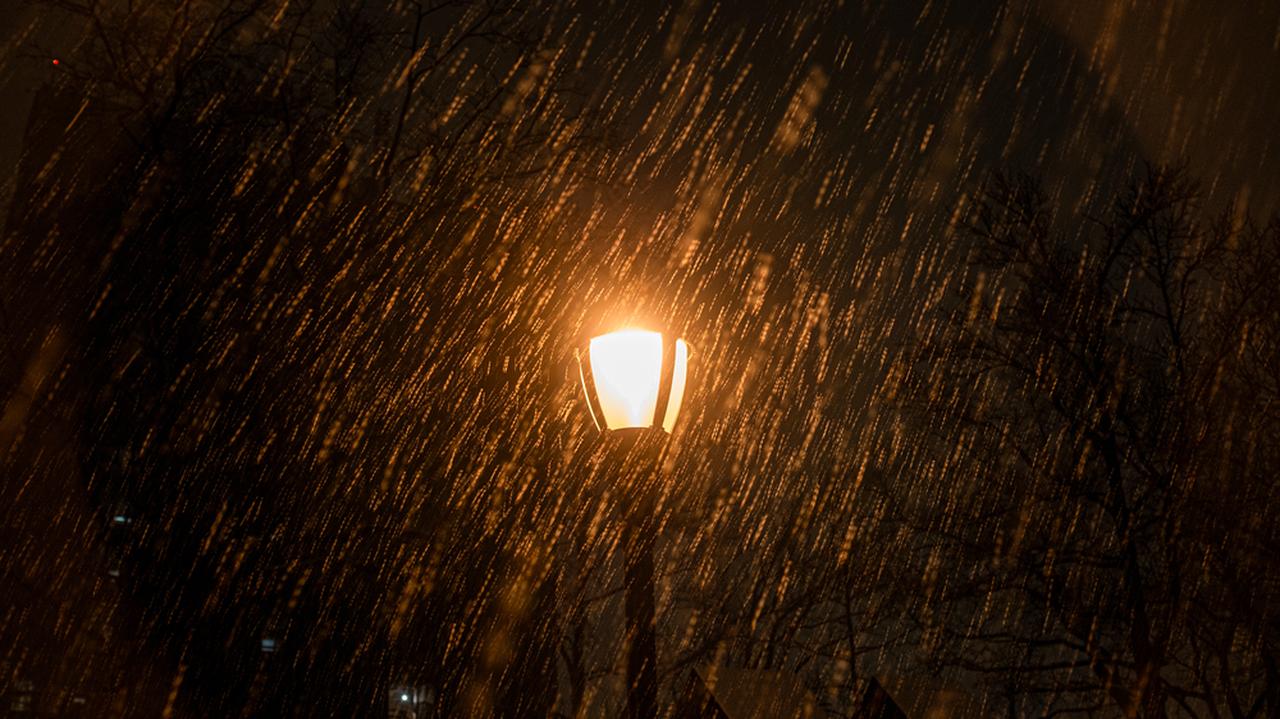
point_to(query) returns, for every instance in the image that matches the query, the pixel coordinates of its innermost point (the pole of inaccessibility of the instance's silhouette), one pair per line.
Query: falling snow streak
(981, 300)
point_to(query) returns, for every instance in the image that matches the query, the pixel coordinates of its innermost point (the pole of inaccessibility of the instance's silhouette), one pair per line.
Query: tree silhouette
(1103, 402)
(307, 171)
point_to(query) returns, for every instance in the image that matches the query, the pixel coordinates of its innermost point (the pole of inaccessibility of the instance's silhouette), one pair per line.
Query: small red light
(55, 61)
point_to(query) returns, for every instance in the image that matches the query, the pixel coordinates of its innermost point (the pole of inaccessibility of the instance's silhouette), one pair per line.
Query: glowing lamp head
(634, 379)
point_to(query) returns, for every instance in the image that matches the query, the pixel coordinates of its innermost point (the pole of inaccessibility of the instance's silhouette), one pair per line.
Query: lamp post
(634, 381)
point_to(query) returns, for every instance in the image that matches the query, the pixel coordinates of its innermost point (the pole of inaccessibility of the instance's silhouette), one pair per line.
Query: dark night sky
(335, 395)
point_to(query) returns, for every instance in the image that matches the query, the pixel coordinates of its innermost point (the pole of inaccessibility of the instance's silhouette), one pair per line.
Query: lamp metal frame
(666, 379)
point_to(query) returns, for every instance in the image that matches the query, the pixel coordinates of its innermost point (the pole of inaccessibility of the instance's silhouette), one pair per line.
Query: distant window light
(408, 697)
(113, 572)
(120, 519)
(24, 697)
(268, 645)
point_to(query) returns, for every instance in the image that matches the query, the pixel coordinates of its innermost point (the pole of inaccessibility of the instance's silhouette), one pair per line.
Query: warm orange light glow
(627, 370)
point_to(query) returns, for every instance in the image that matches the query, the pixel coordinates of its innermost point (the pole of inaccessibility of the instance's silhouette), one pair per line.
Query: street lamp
(634, 381)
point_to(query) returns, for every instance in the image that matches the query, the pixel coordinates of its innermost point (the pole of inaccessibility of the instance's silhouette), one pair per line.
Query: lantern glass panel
(627, 368)
(680, 371)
